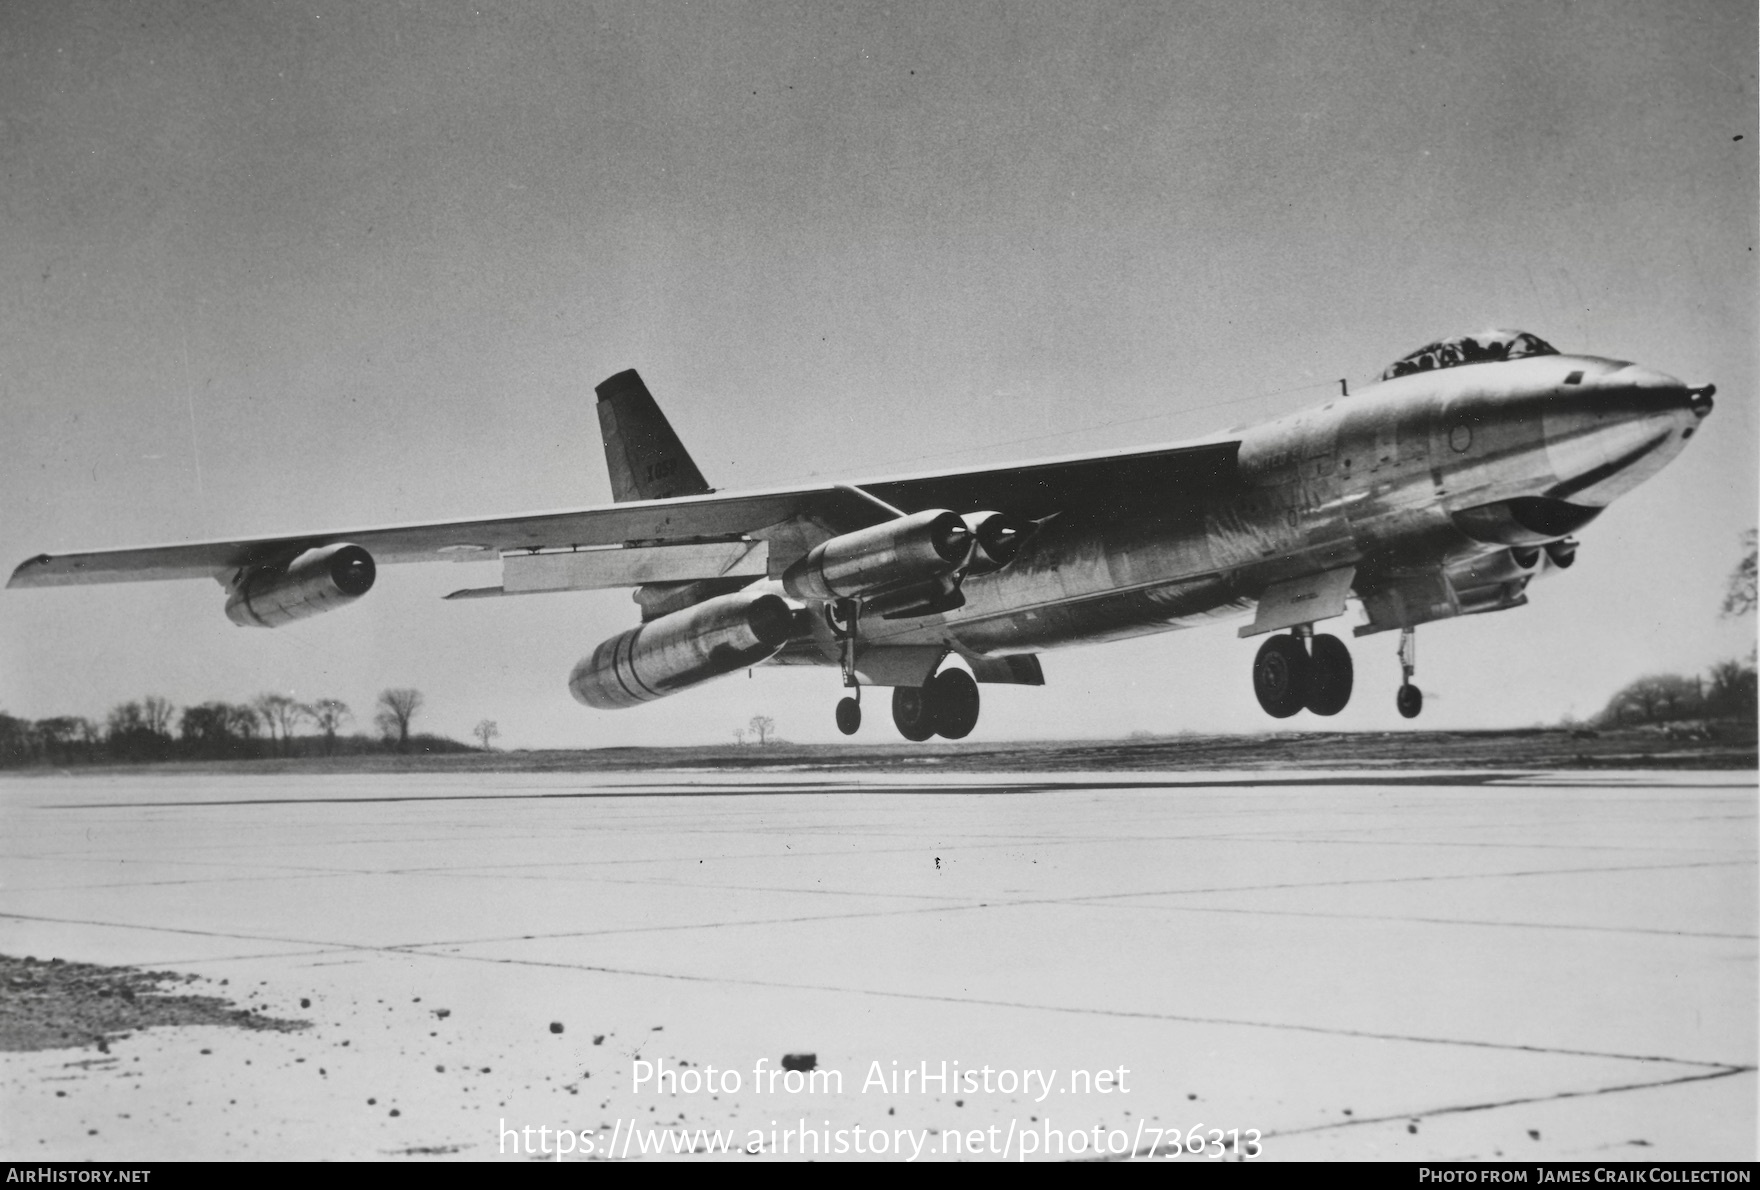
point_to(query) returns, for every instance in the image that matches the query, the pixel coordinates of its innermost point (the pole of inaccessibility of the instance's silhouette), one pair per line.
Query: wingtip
(22, 572)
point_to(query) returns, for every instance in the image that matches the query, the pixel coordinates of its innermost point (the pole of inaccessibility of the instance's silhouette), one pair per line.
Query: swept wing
(789, 521)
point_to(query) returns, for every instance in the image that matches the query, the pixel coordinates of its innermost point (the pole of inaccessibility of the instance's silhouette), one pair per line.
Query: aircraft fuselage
(1400, 480)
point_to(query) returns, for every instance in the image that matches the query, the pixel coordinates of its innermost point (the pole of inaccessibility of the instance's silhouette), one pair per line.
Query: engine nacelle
(1562, 553)
(998, 538)
(319, 580)
(911, 551)
(717, 636)
(1527, 520)
(1516, 564)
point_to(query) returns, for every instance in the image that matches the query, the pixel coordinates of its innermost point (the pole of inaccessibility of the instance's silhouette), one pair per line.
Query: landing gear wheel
(913, 712)
(849, 716)
(1330, 675)
(1280, 676)
(1410, 701)
(953, 698)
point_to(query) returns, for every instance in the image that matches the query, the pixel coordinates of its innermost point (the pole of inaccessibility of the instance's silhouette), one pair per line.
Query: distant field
(1733, 747)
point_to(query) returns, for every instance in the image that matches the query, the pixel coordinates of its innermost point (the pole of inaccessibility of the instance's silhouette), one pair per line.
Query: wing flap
(599, 569)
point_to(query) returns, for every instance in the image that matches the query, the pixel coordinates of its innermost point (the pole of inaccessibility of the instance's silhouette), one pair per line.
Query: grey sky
(273, 267)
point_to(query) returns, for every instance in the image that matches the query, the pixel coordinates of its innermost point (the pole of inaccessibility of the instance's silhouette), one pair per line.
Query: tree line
(151, 728)
(1726, 692)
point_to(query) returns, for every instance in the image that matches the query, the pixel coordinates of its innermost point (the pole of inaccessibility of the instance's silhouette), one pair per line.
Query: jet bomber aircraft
(1441, 490)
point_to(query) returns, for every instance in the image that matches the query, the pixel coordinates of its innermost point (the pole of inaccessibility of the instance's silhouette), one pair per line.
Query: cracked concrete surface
(1495, 966)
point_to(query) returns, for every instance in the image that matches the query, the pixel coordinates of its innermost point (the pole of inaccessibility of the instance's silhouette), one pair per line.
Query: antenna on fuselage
(1344, 386)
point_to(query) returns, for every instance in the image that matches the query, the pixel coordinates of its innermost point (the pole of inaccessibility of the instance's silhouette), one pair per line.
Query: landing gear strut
(1289, 675)
(945, 705)
(1410, 699)
(842, 617)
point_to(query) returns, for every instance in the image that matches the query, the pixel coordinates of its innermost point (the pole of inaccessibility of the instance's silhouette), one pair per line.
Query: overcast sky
(271, 267)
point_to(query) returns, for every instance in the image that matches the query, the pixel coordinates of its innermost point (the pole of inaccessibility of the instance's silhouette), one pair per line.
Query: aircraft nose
(1645, 390)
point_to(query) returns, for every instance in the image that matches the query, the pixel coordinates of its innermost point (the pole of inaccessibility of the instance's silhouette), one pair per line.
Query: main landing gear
(1302, 671)
(945, 705)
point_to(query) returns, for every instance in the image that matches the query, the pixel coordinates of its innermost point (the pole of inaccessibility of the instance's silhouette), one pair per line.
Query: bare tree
(397, 707)
(739, 736)
(1733, 688)
(17, 740)
(57, 736)
(486, 730)
(329, 714)
(156, 714)
(762, 726)
(139, 730)
(241, 721)
(281, 714)
(217, 729)
(125, 719)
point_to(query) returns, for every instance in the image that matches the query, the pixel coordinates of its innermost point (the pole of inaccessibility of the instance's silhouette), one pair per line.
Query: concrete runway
(1449, 966)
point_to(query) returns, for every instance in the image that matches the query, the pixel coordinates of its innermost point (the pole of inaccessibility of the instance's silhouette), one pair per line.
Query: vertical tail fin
(644, 456)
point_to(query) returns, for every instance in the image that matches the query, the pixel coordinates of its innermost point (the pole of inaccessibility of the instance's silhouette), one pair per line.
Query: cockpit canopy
(1483, 348)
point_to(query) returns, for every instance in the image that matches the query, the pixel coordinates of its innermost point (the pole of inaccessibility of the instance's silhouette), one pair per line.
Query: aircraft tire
(913, 712)
(1280, 676)
(849, 716)
(1410, 701)
(1330, 676)
(953, 697)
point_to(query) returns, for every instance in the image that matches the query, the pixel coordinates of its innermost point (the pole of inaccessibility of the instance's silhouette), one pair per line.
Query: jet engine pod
(1504, 566)
(1562, 553)
(999, 538)
(319, 580)
(906, 552)
(717, 636)
(1526, 520)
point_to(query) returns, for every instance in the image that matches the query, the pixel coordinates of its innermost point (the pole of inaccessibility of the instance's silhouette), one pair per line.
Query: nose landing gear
(849, 713)
(843, 616)
(1410, 699)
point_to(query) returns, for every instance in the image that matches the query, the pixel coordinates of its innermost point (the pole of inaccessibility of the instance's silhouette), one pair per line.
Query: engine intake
(911, 551)
(663, 656)
(319, 580)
